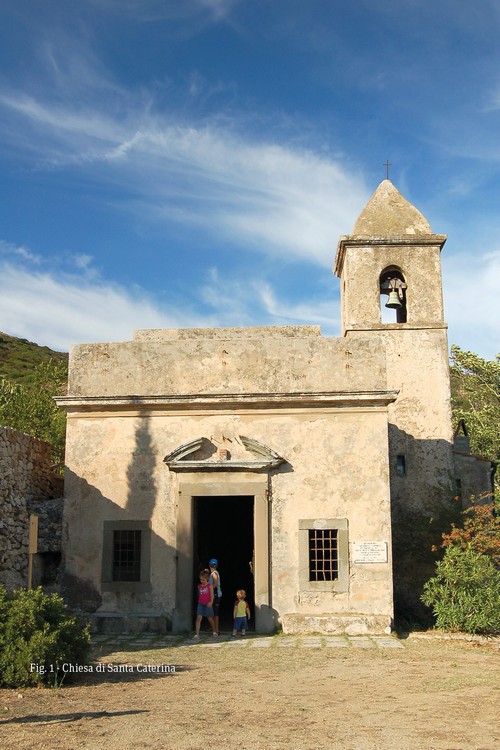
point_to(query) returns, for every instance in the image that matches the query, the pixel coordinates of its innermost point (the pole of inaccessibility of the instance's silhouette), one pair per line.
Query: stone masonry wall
(26, 483)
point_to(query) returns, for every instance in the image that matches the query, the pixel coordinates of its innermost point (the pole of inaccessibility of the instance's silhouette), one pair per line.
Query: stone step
(130, 623)
(154, 640)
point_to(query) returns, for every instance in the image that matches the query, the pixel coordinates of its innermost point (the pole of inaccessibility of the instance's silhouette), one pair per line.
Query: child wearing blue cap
(214, 581)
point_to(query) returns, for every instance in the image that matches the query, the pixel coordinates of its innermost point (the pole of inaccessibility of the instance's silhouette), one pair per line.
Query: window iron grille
(127, 555)
(323, 555)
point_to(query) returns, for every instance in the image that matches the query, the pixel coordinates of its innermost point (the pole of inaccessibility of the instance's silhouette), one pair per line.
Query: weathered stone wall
(26, 482)
(235, 361)
(473, 478)
(116, 472)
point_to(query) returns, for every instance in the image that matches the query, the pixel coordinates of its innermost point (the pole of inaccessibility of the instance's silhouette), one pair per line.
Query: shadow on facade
(142, 491)
(92, 581)
(423, 507)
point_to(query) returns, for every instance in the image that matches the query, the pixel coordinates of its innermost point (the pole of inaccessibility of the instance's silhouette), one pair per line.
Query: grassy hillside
(19, 357)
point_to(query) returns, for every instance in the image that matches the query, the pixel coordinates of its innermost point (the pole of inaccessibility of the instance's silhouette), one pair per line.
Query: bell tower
(391, 287)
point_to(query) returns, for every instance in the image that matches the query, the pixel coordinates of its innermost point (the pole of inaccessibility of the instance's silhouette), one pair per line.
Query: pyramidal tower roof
(388, 214)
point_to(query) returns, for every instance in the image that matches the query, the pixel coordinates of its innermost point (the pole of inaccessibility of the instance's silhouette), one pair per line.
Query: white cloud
(267, 197)
(65, 310)
(59, 310)
(83, 261)
(264, 196)
(472, 302)
(171, 10)
(253, 301)
(220, 9)
(325, 313)
(9, 249)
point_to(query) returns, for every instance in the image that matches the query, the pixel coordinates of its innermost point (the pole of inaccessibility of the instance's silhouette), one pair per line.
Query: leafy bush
(465, 593)
(480, 530)
(38, 637)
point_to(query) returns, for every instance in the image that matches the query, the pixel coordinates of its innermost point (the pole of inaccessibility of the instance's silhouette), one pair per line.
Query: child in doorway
(241, 613)
(215, 581)
(205, 602)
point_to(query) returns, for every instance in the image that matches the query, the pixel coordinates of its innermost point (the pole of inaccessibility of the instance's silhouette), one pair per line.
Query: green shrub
(38, 637)
(465, 593)
(479, 529)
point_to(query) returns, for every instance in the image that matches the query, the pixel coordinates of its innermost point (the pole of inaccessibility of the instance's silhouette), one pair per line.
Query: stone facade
(28, 482)
(312, 467)
(284, 411)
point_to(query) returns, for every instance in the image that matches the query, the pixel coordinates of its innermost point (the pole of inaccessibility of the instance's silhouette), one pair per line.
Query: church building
(315, 469)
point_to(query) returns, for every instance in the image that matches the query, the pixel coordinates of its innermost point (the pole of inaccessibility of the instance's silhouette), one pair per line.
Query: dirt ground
(430, 695)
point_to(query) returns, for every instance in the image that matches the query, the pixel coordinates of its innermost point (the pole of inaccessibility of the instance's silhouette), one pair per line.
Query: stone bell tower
(391, 287)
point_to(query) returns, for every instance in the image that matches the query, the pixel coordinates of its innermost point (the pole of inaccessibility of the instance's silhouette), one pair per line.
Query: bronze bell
(393, 300)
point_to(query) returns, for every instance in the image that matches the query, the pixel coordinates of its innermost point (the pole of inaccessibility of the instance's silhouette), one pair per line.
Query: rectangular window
(126, 555)
(401, 465)
(323, 555)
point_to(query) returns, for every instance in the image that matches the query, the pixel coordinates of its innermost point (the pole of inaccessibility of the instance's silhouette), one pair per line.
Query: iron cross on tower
(387, 164)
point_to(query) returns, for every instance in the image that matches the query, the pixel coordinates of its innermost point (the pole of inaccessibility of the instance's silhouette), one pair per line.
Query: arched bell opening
(392, 286)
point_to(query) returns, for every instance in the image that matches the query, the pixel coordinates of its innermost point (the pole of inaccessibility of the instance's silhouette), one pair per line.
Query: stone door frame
(230, 484)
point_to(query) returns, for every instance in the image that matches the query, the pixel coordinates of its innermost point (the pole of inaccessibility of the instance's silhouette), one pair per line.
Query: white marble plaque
(369, 552)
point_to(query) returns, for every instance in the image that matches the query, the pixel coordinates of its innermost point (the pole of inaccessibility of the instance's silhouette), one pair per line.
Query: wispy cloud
(173, 10)
(61, 310)
(270, 198)
(472, 302)
(325, 313)
(194, 158)
(8, 249)
(256, 301)
(220, 9)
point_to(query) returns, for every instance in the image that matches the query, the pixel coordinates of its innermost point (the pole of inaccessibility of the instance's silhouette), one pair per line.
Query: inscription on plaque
(369, 552)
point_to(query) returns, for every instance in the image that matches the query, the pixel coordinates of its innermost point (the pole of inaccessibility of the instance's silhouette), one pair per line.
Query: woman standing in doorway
(214, 580)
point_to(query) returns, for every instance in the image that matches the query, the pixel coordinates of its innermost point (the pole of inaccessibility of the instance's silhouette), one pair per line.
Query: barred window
(323, 555)
(127, 555)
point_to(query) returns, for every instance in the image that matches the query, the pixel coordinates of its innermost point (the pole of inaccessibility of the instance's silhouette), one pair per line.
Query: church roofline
(160, 335)
(389, 212)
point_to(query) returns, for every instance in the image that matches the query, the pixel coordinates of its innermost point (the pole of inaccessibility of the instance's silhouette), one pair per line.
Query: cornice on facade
(230, 401)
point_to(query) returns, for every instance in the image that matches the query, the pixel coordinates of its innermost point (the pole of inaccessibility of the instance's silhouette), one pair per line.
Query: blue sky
(177, 163)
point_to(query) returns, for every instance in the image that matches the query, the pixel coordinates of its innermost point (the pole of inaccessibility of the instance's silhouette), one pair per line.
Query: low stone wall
(336, 624)
(27, 482)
